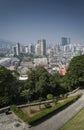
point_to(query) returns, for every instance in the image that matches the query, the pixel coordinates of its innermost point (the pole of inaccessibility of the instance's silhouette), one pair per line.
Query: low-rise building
(63, 71)
(40, 61)
(6, 62)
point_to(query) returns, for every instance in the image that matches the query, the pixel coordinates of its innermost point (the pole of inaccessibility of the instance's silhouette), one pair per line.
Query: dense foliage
(40, 83)
(6, 86)
(75, 74)
(10, 87)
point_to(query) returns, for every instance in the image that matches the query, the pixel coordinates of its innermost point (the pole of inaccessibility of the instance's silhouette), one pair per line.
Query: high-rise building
(26, 49)
(65, 41)
(18, 49)
(42, 44)
(31, 48)
(37, 49)
(14, 51)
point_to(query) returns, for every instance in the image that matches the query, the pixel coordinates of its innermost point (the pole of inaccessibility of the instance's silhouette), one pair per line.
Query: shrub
(61, 96)
(47, 105)
(32, 110)
(50, 96)
(65, 95)
(55, 100)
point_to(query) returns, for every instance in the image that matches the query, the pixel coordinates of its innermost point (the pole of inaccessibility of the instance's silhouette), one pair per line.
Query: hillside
(5, 43)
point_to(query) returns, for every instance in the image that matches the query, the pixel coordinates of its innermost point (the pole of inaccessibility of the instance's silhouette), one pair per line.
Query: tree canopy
(41, 82)
(75, 74)
(6, 85)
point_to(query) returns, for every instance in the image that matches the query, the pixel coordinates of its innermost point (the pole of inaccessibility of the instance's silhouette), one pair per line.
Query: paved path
(10, 122)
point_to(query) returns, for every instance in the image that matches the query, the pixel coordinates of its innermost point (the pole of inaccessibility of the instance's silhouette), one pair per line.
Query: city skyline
(26, 21)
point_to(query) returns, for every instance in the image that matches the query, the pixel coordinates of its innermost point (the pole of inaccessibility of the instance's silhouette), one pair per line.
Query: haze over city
(26, 21)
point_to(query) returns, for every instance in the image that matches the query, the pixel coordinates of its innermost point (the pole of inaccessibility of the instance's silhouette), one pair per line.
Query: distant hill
(5, 43)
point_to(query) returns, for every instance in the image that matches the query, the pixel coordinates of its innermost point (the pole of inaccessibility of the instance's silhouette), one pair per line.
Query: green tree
(55, 84)
(75, 74)
(7, 85)
(38, 82)
(26, 93)
(42, 85)
(41, 82)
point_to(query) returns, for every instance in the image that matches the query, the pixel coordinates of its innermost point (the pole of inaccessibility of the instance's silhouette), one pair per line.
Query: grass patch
(46, 112)
(76, 123)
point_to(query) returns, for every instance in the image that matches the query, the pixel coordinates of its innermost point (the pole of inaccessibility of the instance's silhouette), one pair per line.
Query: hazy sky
(26, 21)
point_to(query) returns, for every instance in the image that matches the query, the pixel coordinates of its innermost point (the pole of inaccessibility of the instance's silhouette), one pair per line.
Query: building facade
(65, 41)
(18, 49)
(42, 47)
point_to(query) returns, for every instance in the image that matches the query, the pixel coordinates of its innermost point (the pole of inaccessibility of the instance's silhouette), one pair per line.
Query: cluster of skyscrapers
(65, 48)
(39, 49)
(54, 58)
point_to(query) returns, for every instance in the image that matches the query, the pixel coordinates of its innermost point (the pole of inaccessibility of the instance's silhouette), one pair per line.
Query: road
(10, 122)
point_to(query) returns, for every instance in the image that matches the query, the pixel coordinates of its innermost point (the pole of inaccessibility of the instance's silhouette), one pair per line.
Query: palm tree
(26, 93)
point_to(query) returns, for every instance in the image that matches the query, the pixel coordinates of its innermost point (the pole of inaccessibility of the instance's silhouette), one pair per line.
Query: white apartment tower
(37, 49)
(41, 47)
(18, 49)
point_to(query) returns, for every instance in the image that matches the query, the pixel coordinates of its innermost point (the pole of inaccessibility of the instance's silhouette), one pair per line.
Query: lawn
(76, 123)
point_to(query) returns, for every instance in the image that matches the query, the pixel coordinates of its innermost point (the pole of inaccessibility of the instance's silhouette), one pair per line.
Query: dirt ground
(32, 110)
